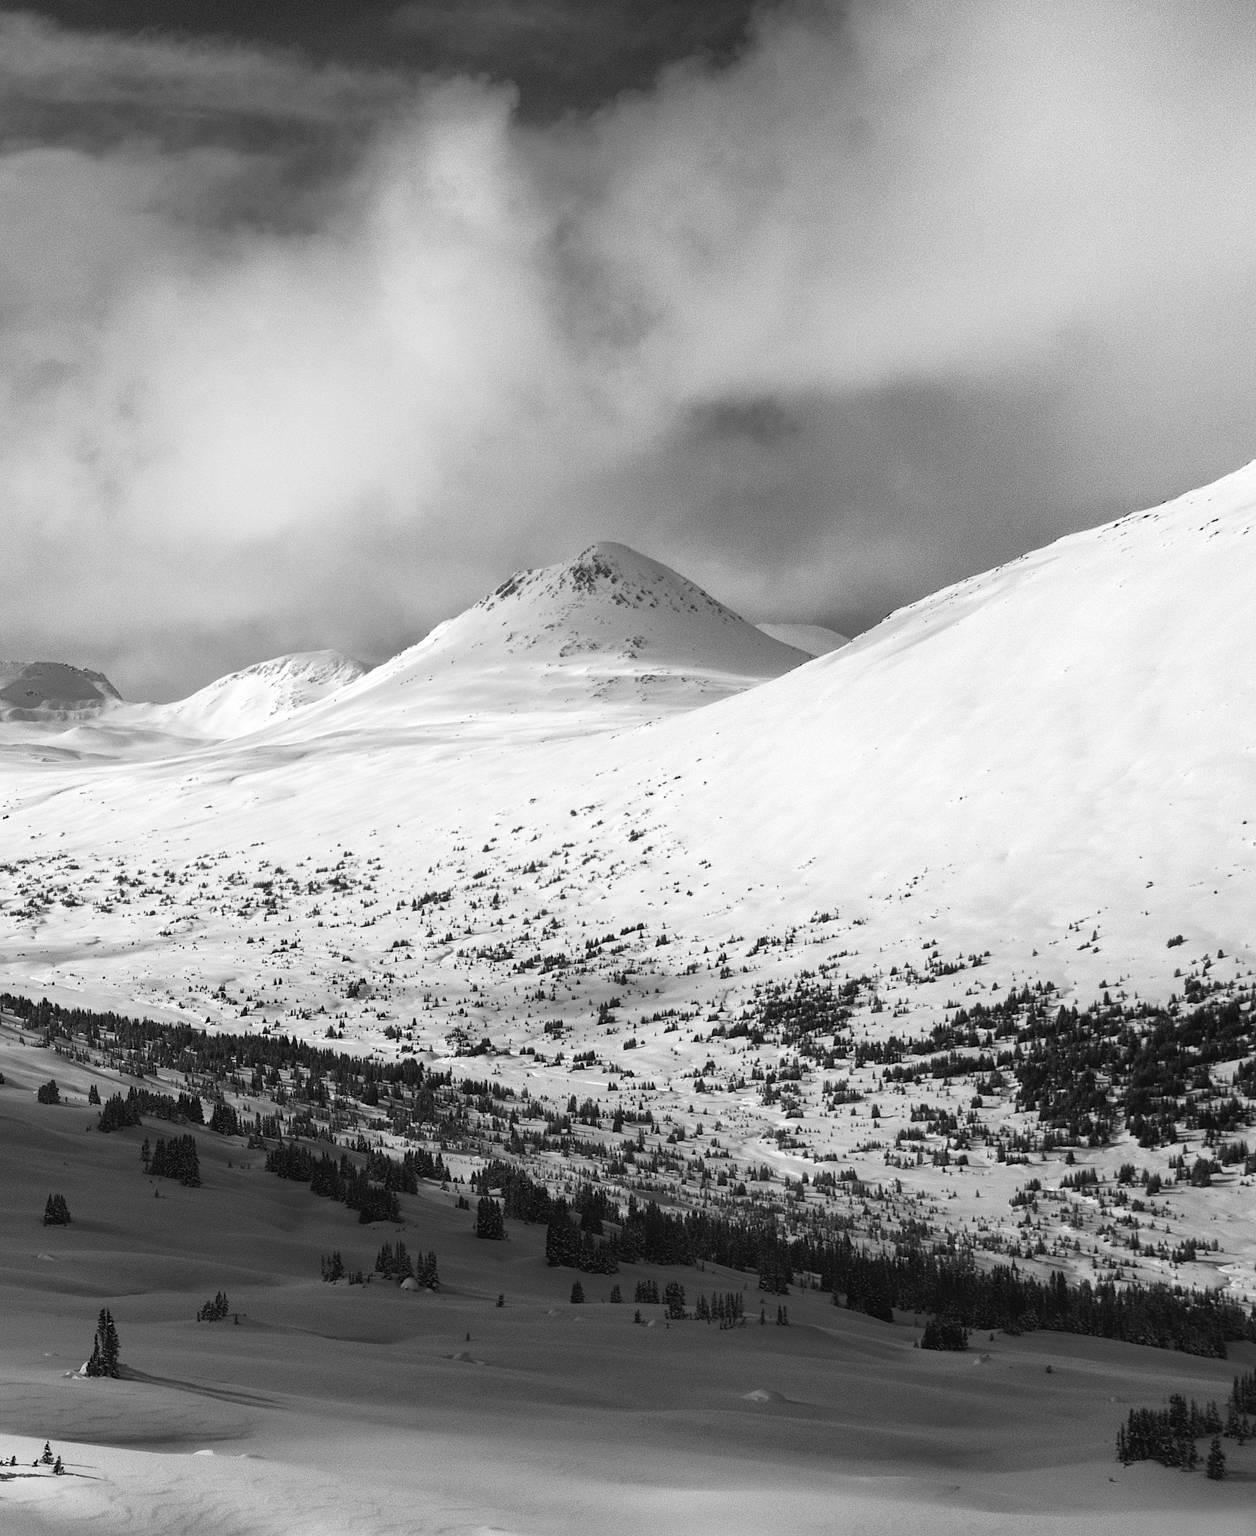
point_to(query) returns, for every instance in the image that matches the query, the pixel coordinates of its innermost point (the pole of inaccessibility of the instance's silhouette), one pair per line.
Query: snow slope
(1072, 733)
(814, 639)
(1067, 740)
(247, 700)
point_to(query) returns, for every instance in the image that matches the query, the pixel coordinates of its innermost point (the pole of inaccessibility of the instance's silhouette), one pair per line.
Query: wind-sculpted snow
(813, 639)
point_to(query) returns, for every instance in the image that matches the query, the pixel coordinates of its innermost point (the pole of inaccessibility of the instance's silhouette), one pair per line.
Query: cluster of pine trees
(56, 1212)
(1169, 1435)
(335, 1179)
(176, 1159)
(488, 1219)
(117, 1112)
(1002, 1297)
(371, 1190)
(571, 1247)
(224, 1120)
(944, 1333)
(394, 1263)
(104, 1359)
(333, 1269)
(727, 1308)
(214, 1311)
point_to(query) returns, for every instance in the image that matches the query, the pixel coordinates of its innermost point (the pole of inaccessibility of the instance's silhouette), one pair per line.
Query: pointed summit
(614, 601)
(611, 637)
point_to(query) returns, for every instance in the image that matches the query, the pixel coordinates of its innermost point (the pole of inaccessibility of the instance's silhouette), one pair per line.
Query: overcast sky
(320, 317)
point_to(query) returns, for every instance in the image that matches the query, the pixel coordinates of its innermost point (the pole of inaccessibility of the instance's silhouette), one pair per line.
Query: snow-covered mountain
(1054, 761)
(255, 696)
(608, 639)
(52, 691)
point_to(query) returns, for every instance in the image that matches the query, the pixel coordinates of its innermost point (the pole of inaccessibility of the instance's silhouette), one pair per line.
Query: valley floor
(368, 1410)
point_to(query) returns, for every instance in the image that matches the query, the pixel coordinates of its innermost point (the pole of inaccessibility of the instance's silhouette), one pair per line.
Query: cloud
(901, 291)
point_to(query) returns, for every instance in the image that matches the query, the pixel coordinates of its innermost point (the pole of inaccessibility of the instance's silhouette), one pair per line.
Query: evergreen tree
(104, 1356)
(944, 1333)
(1214, 1467)
(577, 1291)
(214, 1311)
(48, 1093)
(488, 1219)
(56, 1212)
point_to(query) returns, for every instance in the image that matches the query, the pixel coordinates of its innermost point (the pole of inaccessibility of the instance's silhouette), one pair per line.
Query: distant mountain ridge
(609, 638)
(52, 690)
(255, 696)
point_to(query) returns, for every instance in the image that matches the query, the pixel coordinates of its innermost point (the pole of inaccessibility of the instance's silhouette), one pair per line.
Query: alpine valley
(604, 942)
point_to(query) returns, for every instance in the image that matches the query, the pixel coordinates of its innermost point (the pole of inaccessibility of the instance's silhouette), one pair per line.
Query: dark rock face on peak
(52, 690)
(612, 600)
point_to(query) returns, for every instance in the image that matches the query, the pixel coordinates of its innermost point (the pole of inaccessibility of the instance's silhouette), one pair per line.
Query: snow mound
(813, 639)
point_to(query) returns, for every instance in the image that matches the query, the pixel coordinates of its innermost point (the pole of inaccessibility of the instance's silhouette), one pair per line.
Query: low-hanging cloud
(900, 292)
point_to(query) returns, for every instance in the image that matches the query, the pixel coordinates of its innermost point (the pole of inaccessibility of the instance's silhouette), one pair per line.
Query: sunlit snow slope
(1069, 735)
(1053, 760)
(256, 696)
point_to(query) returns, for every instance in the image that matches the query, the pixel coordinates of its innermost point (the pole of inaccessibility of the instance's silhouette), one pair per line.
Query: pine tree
(104, 1356)
(56, 1212)
(488, 1219)
(1214, 1467)
(577, 1291)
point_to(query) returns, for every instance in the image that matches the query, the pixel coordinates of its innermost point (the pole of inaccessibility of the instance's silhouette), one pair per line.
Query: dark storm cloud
(887, 294)
(558, 54)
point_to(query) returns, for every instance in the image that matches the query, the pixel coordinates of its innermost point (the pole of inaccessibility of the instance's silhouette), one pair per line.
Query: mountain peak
(244, 701)
(611, 637)
(601, 582)
(52, 690)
